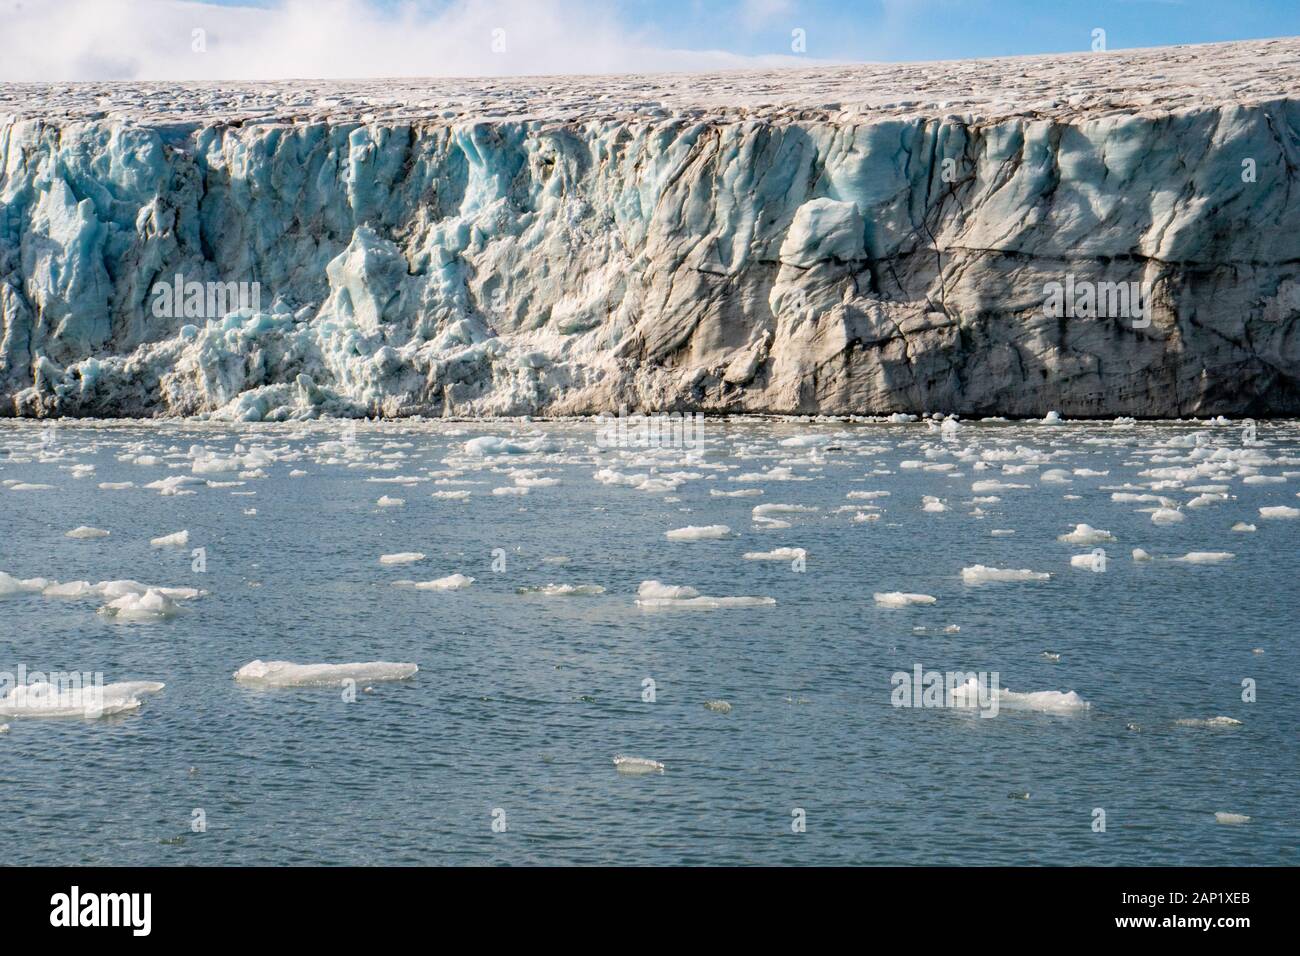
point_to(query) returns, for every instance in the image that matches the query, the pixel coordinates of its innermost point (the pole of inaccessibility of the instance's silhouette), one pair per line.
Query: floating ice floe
(1084, 534)
(11, 586)
(509, 490)
(653, 594)
(1140, 555)
(451, 495)
(116, 485)
(43, 699)
(452, 582)
(1047, 701)
(718, 706)
(564, 590)
(1279, 511)
(387, 502)
(1088, 562)
(1230, 819)
(637, 765)
(178, 540)
(85, 531)
(1207, 722)
(902, 599)
(698, 533)
(287, 674)
(932, 504)
(152, 605)
(980, 574)
(1243, 526)
(738, 493)
(402, 557)
(1167, 516)
(776, 554)
(1205, 557)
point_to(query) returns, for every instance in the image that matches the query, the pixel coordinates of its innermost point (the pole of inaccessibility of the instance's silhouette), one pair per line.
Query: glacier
(872, 239)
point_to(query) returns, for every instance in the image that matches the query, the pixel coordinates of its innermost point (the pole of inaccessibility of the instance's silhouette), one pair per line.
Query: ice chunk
(653, 594)
(43, 699)
(402, 557)
(980, 574)
(452, 582)
(718, 706)
(85, 531)
(387, 502)
(1206, 557)
(776, 554)
(1230, 819)
(1140, 555)
(637, 765)
(1243, 526)
(1166, 516)
(564, 590)
(286, 674)
(1085, 534)
(698, 533)
(178, 540)
(152, 605)
(1208, 722)
(1279, 511)
(1047, 701)
(902, 599)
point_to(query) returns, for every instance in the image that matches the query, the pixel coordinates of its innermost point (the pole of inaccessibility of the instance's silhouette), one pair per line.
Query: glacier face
(856, 257)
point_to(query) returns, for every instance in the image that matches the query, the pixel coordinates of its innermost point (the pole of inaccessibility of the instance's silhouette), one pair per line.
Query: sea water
(772, 719)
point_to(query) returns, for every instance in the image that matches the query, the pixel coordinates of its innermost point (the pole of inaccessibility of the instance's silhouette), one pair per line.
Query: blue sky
(933, 29)
(271, 39)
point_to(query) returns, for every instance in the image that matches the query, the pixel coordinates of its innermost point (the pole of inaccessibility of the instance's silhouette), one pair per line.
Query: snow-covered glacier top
(1069, 85)
(1093, 234)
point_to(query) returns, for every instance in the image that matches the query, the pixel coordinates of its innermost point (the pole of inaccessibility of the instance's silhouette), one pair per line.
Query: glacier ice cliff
(867, 239)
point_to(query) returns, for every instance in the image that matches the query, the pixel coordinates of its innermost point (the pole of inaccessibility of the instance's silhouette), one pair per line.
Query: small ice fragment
(980, 574)
(1206, 557)
(1140, 555)
(902, 599)
(152, 605)
(287, 674)
(1279, 511)
(85, 531)
(178, 540)
(1167, 516)
(452, 582)
(387, 502)
(402, 557)
(1207, 722)
(1084, 534)
(698, 533)
(717, 706)
(637, 765)
(1230, 819)
(777, 554)
(1243, 526)
(43, 699)
(564, 590)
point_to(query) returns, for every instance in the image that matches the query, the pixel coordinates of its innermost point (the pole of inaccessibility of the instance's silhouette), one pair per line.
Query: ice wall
(658, 259)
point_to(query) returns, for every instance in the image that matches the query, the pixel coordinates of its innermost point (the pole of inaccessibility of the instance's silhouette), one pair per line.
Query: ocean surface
(522, 700)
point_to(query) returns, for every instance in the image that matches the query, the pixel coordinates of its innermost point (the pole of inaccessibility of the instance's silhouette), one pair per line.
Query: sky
(278, 39)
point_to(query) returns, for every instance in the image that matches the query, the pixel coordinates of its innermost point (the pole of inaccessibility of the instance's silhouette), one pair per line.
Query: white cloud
(154, 40)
